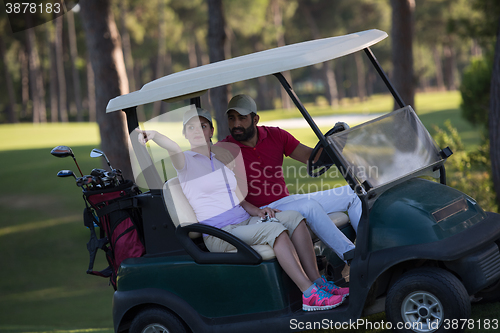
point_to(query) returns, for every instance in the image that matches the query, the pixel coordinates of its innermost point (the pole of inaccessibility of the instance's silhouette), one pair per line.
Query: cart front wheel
(427, 300)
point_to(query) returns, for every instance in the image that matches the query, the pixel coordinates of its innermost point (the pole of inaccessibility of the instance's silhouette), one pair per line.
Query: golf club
(87, 180)
(98, 153)
(101, 173)
(65, 151)
(66, 173)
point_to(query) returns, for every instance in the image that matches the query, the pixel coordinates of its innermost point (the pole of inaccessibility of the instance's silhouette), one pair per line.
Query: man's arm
(301, 153)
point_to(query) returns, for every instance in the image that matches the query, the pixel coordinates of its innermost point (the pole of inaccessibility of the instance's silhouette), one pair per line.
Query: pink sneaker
(320, 300)
(333, 289)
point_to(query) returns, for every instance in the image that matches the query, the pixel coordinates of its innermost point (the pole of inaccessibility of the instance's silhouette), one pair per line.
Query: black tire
(427, 293)
(157, 320)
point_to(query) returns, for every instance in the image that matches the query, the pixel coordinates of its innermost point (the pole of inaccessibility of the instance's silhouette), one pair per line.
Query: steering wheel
(323, 162)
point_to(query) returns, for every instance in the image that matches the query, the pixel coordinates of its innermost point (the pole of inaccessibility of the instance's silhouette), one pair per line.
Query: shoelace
(330, 283)
(322, 295)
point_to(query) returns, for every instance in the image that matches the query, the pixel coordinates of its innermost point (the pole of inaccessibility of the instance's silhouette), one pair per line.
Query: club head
(96, 153)
(62, 151)
(87, 180)
(98, 173)
(66, 173)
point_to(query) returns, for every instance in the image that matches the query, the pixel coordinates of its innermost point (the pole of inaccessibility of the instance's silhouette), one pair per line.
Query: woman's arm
(161, 140)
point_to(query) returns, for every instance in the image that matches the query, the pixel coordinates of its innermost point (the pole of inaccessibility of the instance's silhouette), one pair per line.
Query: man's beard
(246, 133)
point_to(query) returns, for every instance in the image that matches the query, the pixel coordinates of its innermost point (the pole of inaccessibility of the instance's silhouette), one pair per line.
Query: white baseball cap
(198, 112)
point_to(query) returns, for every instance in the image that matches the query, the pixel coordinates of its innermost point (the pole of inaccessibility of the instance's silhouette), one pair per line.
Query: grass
(42, 240)
(44, 287)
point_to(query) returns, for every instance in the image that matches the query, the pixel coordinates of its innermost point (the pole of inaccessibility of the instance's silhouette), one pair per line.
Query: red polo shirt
(264, 164)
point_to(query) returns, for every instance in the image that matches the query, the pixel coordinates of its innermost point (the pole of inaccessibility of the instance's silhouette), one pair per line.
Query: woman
(211, 189)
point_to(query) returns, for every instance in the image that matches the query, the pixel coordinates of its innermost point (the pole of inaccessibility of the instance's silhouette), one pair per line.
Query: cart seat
(181, 213)
(339, 218)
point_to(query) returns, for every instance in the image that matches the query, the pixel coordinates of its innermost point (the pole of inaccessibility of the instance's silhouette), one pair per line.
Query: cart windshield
(387, 148)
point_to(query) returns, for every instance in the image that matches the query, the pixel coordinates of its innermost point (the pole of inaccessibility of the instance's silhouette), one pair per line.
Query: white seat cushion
(265, 251)
(339, 218)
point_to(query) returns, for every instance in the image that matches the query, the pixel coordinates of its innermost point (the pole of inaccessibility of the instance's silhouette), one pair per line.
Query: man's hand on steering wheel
(319, 162)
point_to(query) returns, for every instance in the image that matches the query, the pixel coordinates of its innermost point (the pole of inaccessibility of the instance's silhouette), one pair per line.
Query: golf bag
(115, 211)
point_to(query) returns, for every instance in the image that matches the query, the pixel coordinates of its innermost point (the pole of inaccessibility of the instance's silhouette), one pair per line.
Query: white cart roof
(196, 80)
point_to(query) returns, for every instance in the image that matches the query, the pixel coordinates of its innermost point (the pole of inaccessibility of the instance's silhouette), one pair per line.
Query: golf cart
(422, 248)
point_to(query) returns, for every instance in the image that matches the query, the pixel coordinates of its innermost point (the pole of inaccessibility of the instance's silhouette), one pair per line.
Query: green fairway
(44, 287)
(43, 241)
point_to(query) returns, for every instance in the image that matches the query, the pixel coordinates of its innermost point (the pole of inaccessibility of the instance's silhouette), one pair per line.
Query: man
(263, 149)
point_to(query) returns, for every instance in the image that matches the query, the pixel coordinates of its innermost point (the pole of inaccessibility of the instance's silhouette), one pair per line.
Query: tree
(252, 29)
(328, 75)
(402, 50)
(91, 91)
(61, 77)
(163, 58)
(74, 59)
(52, 72)
(276, 10)
(494, 118)
(11, 109)
(36, 79)
(216, 41)
(106, 56)
(482, 23)
(25, 79)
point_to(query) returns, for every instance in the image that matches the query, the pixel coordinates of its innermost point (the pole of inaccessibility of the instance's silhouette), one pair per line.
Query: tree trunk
(193, 61)
(494, 120)
(54, 108)
(202, 59)
(327, 73)
(91, 91)
(11, 109)
(25, 81)
(106, 56)
(340, 75)
(36, 80)
(162, 53)
(61, 78)
(280, 39)
(74, 56)
(264, 97)
(133, 83)
(216, 41)
(439, 68)
(449, 68)
(402, 50)
(360, 69)
(127, 50)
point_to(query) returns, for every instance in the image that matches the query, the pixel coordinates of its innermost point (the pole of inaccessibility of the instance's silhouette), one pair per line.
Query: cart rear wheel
(157, 320)
(427, 300)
